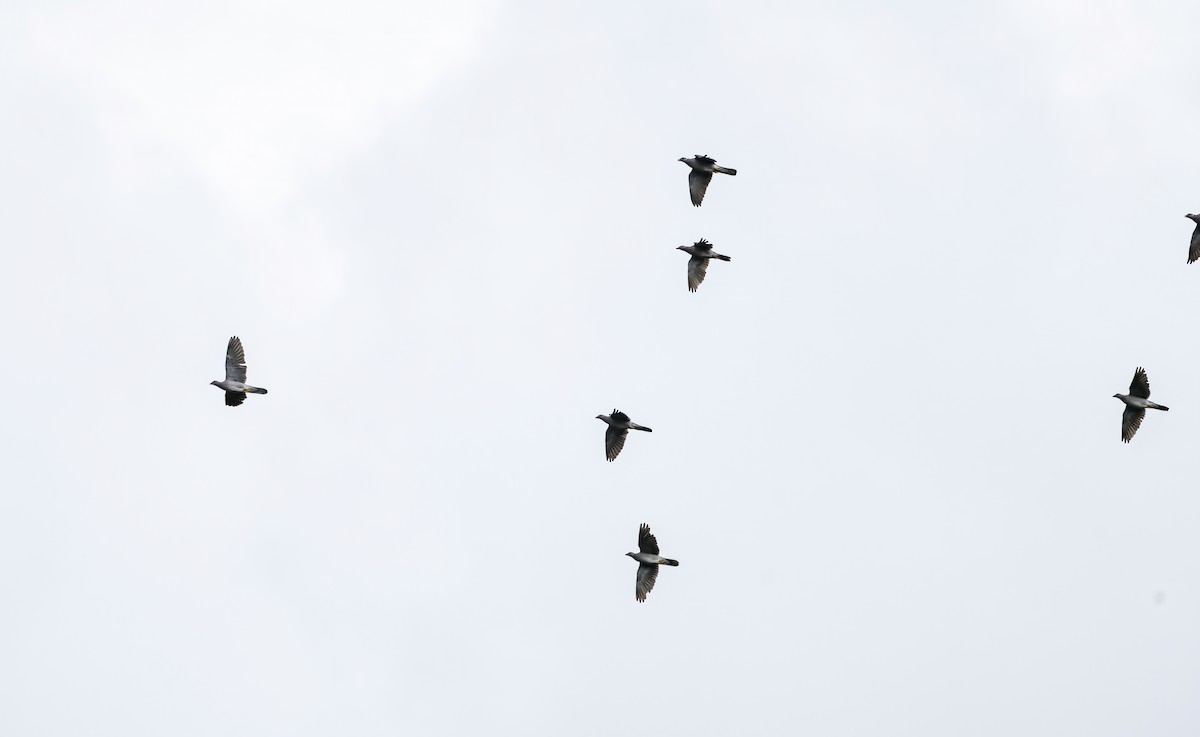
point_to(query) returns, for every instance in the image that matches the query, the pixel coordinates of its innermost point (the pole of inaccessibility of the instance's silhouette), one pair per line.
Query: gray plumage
(1194, 249)
(235, 385)
(702, 252)
(648, 562)
(701, 174)
(619, 426)
(1137, 401)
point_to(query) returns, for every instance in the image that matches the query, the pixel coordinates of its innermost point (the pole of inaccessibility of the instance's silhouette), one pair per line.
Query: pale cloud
(255, 98)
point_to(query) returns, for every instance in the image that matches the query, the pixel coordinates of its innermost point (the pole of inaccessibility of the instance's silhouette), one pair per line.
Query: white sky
(885, 449)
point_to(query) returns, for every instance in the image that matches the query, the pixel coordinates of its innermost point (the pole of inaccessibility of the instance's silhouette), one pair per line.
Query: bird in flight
(702, 252)
(1137, 401)
(701, 174)
(648, 562)
(235, 385)
(1194, 249)
(618, 427)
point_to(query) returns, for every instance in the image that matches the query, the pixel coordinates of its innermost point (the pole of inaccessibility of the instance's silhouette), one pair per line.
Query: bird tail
(724, 170)
(669, 562)
(1152, 405)
(633, 426)
(255, 390)
(723, 258)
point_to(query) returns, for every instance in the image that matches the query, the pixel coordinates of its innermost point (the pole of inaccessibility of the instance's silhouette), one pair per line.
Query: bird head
(599, 417)
(213, 383)
(630, 554)
(683, 159)
(1116, 396)
(680, 248)
(1194, 218)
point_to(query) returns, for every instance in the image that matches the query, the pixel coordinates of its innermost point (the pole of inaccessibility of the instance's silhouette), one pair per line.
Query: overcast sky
(885, 447)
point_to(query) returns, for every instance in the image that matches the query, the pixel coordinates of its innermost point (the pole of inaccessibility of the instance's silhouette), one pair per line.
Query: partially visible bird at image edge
(1194, 248)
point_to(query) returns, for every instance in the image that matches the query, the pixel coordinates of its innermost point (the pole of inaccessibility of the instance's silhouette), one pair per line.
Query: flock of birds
(702, 169)
(1137, 401)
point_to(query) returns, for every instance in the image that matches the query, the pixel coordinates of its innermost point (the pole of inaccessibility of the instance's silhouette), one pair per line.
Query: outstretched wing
(646, 576)
(1140, 386)
(619, 416)
(1194, 251)
(697, 268)
(233, 399)
(1131, 420)
(698, 184)
(614, 441)
(235, 361)
(646, 541)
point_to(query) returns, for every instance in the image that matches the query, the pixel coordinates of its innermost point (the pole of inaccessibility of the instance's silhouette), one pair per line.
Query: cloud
(254, 98)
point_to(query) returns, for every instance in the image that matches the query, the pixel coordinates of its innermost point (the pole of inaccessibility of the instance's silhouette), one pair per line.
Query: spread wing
(1194, 251)
(233, 399)
(697, 268)
(646, 541)
(235, 361)
(1131, 420)
(619, 416)
(698, 184)
(645, 579)
(1140, 386)
(614, 441)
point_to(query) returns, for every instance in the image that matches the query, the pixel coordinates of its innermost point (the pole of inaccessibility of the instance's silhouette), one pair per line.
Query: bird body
(234, 384)
(702, 252)
(1137, 401)
(619, 426)
(648, 562)
(703, 168)
(1194, 249)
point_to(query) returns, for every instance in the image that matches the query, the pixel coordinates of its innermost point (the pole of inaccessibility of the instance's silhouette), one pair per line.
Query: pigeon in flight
(701, 174)
(618, 427)
(1194, 249)
(701, 252)
(1137, 401)
(648, 562)
(235, 385)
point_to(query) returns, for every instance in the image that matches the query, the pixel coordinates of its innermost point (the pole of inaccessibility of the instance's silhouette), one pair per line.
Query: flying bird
(1194, 249)
(648, 562)
(1137, 401)
(618, 427)
(235, 385)
(702, 252)
(701, 174)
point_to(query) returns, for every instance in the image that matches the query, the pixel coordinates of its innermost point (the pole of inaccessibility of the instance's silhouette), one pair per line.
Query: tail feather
(724, 170)
(255, 390)
(669, 562)
(639, 427)
(723, 258)
(1152, 405)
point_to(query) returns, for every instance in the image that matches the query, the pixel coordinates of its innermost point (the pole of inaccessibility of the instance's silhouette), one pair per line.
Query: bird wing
(235, 361)
(702, 245)
(1131, 420)
(646, 541)
(614, 441)
(647, 573)
(1194, 251)
(697, 268)
(698, 183)
(619, 416)
(1140, 386)
(233, 399)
